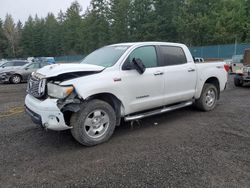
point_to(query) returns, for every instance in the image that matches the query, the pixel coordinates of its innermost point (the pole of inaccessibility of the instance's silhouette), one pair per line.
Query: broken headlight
(58, 91)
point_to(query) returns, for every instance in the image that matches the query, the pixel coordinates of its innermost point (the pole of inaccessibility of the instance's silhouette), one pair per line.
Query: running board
(159, 111)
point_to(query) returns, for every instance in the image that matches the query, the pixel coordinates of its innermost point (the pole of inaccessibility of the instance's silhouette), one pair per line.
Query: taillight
(226, 67)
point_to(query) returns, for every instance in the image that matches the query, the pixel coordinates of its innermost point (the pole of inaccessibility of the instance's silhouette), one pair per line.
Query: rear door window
(147, 54)
(172, 55)
(33, 66)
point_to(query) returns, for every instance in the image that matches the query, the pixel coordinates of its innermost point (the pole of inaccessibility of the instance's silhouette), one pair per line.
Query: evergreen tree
(119, 19)
(19, 31)
(142, 20)
(96, 27)
(72, 29)
(10, 32)
(3, 42)
(194, 22)
(51, 37)
(28, 37)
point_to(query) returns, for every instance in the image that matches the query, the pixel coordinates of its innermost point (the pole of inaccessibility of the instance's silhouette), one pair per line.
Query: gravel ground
(184, 148)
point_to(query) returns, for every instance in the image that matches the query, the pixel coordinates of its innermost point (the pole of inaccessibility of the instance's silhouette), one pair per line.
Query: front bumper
(45, 113)
(5, 78)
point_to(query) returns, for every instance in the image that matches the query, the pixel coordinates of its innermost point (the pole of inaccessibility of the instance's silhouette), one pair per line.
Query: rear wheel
(208, 98)
(15, 79)
(238, 82)
(94, 123)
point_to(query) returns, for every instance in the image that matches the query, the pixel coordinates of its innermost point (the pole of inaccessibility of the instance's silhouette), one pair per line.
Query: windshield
(106, 56)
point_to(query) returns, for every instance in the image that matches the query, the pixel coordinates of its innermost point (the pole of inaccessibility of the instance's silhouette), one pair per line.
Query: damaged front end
(53, 102)
(69, 105)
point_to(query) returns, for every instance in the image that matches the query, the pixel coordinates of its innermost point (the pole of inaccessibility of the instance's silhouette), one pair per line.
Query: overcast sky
(21, 9)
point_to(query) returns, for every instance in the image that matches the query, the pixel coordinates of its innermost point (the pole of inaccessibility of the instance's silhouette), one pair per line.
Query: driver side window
(146, 54)
(33, 66)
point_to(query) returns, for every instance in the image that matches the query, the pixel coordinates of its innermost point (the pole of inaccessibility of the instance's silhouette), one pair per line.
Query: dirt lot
(187, 148)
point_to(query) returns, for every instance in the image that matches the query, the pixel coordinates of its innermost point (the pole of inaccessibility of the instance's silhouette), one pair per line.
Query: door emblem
(141, 97)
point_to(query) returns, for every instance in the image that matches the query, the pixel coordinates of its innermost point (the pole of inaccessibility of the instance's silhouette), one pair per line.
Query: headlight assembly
(58, 91)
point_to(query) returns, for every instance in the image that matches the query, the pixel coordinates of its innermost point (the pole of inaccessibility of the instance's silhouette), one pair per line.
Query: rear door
(179, 75)
(143, 91)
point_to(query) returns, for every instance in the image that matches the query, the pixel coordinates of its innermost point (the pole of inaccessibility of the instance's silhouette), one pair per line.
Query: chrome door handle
(158, 73)
(191, 70)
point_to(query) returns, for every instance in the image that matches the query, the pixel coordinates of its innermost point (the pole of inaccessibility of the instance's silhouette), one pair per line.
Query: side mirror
(138, 65)
(26, 68)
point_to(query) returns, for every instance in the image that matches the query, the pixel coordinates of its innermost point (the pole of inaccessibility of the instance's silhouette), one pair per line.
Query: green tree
(19, 31)
(119, 19)
(166, 13)
(28, 37)
(10, 33)
(3, 41)
(72, 29)
(51, 37)
(96, 27)
(142, 20)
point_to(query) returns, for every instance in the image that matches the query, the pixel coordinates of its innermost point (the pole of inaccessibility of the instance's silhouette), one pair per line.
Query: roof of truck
(147, 43)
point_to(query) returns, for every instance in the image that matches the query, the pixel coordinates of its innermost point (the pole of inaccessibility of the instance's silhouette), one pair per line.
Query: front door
(143, 91)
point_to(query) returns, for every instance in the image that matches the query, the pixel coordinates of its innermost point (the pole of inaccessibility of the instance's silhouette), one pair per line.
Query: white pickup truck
(126, 81)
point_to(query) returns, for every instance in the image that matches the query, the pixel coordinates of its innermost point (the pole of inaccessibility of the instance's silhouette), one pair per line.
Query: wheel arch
(16, 74)
(215, 81)
(113, 101)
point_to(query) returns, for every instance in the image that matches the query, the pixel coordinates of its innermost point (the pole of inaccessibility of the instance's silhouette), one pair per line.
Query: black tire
(238, 82)
(202, 103)
(15, 79)
(79, 118)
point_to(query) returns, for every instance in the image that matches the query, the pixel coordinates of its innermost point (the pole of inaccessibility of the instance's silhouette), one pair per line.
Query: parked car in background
(237, 63)
(49, 60)
(20, 74)
(243, 75)
(13, 64)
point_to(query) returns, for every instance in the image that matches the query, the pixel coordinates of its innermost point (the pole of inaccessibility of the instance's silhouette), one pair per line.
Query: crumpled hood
(57, 69)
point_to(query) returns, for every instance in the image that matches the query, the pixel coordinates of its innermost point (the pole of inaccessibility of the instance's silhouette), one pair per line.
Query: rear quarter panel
(209, 70)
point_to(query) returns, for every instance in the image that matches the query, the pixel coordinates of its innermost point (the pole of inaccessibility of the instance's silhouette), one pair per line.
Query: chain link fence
(219, 51)
(69, 59)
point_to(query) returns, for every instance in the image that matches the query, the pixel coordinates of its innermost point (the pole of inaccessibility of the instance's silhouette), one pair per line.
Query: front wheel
(15, 79)
(208, 98)
(94, 123)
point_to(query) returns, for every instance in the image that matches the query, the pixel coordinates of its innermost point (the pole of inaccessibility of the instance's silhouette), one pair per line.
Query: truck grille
(36, 86)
